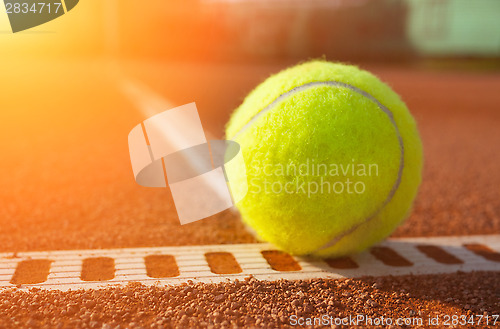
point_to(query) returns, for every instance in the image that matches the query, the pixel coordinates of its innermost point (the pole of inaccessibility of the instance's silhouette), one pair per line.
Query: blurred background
(73, 88)
(244, 30)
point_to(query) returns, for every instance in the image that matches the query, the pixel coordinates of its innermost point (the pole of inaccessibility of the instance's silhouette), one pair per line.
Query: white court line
(130, 266)
(147, 101)
(149, 104)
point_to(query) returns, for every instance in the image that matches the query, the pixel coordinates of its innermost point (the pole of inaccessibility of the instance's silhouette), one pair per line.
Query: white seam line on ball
(384, 109)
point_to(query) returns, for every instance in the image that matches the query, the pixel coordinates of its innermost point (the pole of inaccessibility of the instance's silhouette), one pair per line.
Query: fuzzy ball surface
(332, 157)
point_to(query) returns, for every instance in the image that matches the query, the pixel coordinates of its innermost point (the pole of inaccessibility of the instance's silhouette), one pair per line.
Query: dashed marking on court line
(92, 269)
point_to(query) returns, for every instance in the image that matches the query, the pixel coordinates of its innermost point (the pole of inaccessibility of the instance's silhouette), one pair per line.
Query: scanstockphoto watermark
(331, 178)
(445, 320)
(354, 320)
(26, 14)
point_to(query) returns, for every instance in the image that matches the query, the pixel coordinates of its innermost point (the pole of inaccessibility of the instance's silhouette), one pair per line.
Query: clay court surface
(67, 184)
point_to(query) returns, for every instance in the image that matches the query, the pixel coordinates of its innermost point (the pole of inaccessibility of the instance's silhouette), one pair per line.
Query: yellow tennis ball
(333, 159)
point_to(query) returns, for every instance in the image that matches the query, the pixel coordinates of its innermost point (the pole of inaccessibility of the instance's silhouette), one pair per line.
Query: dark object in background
(30, 13)
(256, 30)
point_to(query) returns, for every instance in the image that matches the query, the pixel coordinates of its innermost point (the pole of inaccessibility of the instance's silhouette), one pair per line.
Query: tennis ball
(332, 158)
